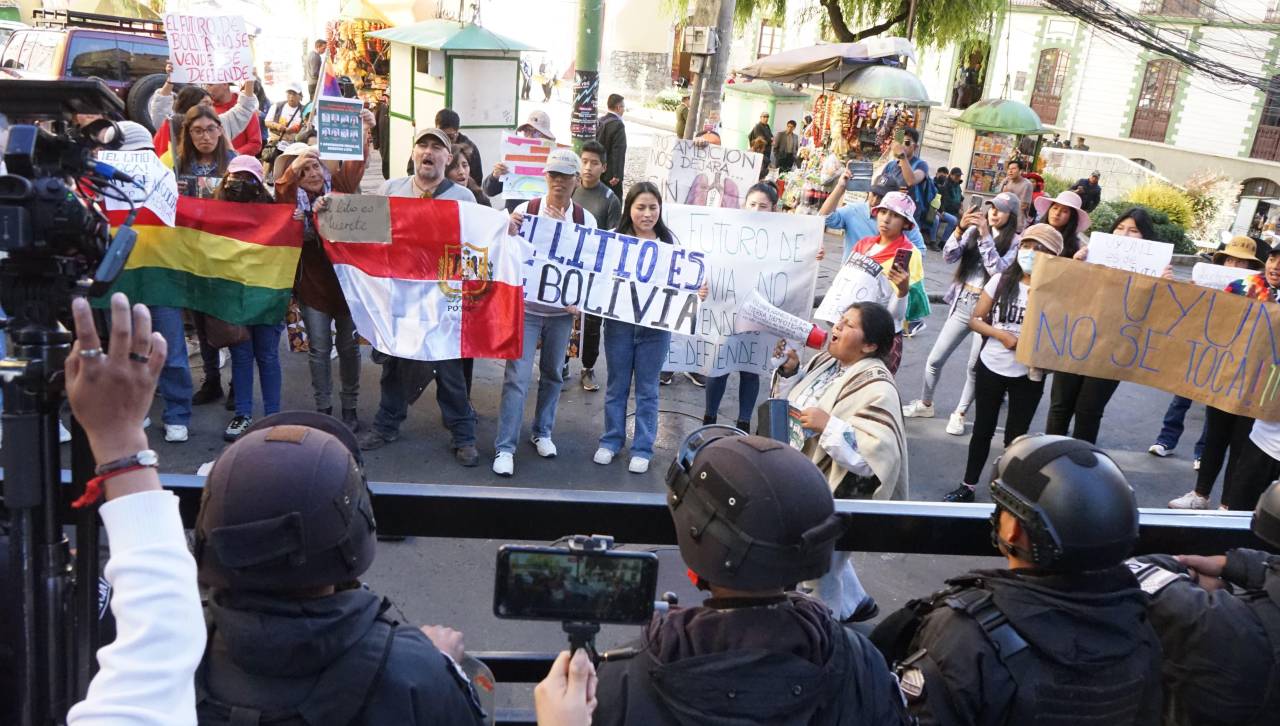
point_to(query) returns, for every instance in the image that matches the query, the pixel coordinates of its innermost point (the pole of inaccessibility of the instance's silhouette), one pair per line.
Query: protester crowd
(1070, 622)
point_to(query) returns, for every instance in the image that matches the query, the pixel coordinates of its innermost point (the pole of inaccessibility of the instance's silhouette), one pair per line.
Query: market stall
(988, 135)
(356, 53)
(746, 100)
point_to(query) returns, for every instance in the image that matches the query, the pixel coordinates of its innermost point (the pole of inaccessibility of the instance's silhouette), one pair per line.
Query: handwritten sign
(208, 48)
(1217, 276)
(1209, 346)
(707, 176)
(156, 188)
(339, 130)
(1133, 254)
(859, 279)
(613, 275)
(526, 161)
(744, 251)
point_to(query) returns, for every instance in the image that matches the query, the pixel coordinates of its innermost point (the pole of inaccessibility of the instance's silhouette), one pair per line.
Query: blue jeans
(946, 223)
(1171, 429)
(262, 346)
(632, 352)
(175, 378)
(554, 331)
(403, 380)
(748, 390)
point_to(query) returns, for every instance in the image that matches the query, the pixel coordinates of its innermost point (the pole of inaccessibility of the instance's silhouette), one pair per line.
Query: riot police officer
(1061, 635)
(1218, 619)
(753, 517)
(285, 529)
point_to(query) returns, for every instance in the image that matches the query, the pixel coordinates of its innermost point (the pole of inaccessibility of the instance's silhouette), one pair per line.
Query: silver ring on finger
(90, 352)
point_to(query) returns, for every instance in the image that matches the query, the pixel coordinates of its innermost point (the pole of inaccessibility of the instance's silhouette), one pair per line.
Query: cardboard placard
(156, 188)
(208, 48)
(1133, 254)
(339, 130)
(772, 253)
(526, 161)
(702, 176)
(615, 276)
(1207, 345)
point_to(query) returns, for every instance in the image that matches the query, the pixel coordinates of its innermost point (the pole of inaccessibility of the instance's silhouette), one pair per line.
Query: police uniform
(1063, 641)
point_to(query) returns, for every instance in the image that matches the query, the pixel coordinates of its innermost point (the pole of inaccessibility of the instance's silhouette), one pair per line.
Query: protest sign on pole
(860, 278)
(526, 161)
(615, 276)
(1207, 345)
(1132, 254)
(706, 176)
(774, 254)
(339, 130)
(156, 187)
(1217, 276)
(208, 48)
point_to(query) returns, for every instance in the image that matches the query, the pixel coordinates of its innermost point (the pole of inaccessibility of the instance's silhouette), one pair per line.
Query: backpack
(922, 194)
(535, 205)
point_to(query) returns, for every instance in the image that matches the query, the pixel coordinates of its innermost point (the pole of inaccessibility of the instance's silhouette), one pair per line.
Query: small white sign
(156, 188)
(1132, 254)
(1217, 276)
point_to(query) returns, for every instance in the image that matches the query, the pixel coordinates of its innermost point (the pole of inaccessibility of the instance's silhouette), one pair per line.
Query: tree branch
(835, 14)
(878, 29)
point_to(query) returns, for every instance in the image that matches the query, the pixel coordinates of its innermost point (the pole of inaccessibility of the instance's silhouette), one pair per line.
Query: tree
(937, 22)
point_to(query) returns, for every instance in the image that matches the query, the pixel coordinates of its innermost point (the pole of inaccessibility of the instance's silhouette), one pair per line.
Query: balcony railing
(1177, 8)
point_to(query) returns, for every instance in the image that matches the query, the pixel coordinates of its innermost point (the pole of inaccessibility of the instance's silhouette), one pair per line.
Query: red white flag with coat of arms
(428, 279)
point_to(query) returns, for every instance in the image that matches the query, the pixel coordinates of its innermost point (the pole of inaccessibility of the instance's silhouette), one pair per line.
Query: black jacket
(612, 135)
(1089, 642)
(269, 654)
(1090, 194)
(1218, 659)
(728, 663)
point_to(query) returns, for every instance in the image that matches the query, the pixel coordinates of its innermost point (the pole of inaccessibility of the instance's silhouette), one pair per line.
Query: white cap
(563, 161)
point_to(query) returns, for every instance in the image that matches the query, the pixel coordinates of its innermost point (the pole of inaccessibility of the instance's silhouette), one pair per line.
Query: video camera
(582, 585)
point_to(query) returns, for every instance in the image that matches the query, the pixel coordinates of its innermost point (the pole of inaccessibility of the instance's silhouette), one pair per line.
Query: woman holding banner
(998, 318)
(986, 245)
(847, 404)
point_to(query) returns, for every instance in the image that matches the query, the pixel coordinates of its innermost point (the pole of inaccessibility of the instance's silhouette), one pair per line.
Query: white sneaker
(638, 465)
(175, 433)
(955, 424)
(546, 448)
(1190, 500)
(1159, 450)
(224, 357)
(918, 409)
(504, 463)
(64, 434)
(603, 456)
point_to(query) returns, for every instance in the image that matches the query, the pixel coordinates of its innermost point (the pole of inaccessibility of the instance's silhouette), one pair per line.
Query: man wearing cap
(285, 530)
(855, 219)
(403, 380)
(611, 132)
(763, 132)
(284, 120)
(538, 126)
(752, 517)
(1090, 191)
(907, 172)
(550, 324)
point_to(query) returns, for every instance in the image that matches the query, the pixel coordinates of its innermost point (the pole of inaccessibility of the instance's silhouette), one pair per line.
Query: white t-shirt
(996, 357)
(1266, 435)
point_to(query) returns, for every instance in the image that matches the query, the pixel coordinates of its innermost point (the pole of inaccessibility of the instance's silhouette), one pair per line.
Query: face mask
(1026, 259)
(239, 190)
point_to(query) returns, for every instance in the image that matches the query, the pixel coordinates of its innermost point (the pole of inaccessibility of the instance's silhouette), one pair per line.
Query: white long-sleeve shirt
(147, 675)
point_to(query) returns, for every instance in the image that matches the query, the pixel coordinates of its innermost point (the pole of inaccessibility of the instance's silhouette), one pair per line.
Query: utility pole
(586, 76)
(717, 66)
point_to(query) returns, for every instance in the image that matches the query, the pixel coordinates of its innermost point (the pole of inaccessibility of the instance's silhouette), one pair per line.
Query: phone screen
(550, 583)
(902, 259)
(899, 134)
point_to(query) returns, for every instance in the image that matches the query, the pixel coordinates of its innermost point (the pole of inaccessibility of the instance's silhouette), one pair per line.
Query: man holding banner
(403, 380)
(551, 324)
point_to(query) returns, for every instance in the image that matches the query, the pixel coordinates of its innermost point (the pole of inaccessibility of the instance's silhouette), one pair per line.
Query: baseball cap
(563, 161)
(248, 164)
(135, 137)
(439, 135)
(880, 190)
(294, 87)
(1006, 202)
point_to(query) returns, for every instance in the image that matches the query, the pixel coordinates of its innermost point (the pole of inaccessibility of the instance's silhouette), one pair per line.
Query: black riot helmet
(750, 513)
(286, 508)
(1071, 499)
(1266, 516)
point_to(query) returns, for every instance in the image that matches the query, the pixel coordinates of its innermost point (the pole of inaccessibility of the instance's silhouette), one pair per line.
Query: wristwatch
(146, 457)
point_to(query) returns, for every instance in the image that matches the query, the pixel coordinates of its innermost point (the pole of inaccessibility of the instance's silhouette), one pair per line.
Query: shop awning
(362, 10)
(826, 64)
(885, 83)
(450, 35)
(1003, 116)
(765, 88)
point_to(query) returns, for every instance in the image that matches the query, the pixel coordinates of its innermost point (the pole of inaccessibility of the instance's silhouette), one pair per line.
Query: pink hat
(901, 205)
(246, 163)
(1066, 199)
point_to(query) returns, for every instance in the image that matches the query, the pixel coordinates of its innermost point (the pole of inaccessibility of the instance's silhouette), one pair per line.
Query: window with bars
(770, 39)
(1176, 8)
(1266, 142)
(1051, 78)
(1155, 101)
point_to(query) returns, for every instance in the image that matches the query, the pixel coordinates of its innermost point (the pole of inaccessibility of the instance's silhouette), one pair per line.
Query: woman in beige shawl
(849, 421)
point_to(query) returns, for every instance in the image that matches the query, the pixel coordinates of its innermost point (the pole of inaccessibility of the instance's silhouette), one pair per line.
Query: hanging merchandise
(362, 59)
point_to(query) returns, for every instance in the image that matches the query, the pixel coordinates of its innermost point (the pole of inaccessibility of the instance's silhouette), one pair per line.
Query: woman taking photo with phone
(901, 261)
(998, 318)
(986, 245)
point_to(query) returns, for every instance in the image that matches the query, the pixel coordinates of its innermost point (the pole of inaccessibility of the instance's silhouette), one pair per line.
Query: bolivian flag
(232, 260)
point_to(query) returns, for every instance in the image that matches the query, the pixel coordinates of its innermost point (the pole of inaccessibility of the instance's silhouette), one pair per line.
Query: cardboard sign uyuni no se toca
(1210, 346)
